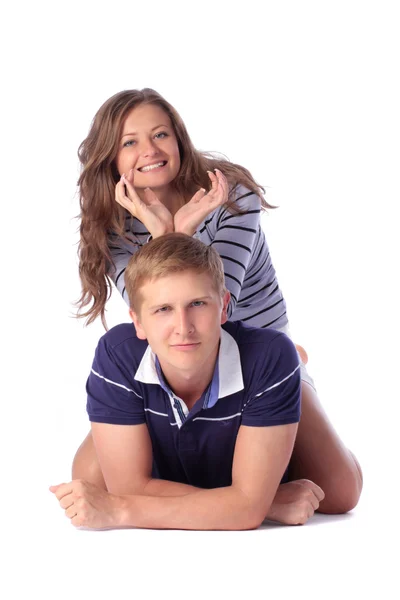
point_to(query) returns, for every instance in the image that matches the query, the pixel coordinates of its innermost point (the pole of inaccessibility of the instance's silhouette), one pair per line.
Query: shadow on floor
(317, 519)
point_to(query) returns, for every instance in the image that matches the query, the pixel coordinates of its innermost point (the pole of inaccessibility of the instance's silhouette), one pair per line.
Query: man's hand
(151, 212)
(87, 505)
(295, 502)
(189, 217)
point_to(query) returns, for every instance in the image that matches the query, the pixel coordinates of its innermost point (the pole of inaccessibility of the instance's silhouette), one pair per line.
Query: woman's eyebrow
(154, 128)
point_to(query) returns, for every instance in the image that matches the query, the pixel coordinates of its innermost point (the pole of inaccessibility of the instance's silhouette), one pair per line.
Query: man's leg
(85, 464)
(320, 455)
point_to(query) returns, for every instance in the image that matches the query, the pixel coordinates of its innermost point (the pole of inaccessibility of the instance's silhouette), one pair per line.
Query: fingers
(62, 490)
(315, 494)
(198, 196)
(307, 483)
(319, 492)
(71, 511)
(223, 182)
(130, 176)
(53, 488)
(219, 187)
(127, 199)
(131, 192)
(311, 511)
(214, 181)
(313, 501)
(120, 195)
(67, 501)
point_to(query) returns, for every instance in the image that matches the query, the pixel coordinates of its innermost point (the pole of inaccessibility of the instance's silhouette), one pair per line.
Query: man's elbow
(252, 520)
(252, 515)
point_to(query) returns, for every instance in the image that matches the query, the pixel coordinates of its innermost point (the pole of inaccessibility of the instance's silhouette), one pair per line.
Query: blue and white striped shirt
(250, 276)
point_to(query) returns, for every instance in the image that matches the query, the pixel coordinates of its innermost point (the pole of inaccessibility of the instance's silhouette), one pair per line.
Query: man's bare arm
(163, 488)
(261, 456)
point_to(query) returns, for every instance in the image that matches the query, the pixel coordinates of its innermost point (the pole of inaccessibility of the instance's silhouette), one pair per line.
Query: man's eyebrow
(154, 128)
(169, 303)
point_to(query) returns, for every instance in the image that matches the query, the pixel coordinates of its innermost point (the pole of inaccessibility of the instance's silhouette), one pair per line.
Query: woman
(141, 178)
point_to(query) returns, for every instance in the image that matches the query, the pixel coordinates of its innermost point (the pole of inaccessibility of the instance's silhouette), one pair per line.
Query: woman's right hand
(151, 212)
(189, 216)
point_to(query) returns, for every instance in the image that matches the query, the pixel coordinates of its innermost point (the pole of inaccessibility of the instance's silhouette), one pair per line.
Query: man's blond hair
(170, 254)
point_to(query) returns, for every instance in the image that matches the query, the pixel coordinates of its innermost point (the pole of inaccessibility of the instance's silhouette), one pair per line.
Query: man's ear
(139, 329)
(224, 313)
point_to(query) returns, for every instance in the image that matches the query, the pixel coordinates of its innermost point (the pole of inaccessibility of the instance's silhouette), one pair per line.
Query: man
(193, 424)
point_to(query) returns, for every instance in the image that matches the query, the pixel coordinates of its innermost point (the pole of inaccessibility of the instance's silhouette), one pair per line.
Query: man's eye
(198, 303)
(163, 309)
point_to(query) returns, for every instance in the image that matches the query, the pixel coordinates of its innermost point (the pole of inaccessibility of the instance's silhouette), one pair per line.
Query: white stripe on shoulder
(115, 383)
(158, 413)
(219, 418)
(279, 382)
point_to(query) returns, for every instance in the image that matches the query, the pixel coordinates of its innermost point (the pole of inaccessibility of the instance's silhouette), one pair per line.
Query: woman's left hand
(189, 216)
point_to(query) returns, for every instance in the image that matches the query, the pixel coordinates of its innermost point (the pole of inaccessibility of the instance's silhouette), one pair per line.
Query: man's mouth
(191, 346)
(154, 166)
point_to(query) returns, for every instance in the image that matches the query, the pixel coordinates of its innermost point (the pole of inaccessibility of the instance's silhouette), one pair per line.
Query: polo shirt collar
(228, 369)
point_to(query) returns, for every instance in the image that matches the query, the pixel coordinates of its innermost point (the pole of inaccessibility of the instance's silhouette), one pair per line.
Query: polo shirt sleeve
(112, 396)
(275, 395)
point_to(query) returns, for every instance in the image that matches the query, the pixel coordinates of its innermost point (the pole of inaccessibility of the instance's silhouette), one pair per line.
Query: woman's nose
(149, 148)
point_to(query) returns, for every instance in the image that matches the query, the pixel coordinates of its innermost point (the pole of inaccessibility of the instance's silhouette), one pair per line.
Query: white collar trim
(229, 367)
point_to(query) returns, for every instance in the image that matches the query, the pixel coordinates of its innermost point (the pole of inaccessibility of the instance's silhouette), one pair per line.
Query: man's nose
(183, 323)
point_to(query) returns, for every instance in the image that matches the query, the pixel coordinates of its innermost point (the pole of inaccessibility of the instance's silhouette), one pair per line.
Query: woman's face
(148, 145)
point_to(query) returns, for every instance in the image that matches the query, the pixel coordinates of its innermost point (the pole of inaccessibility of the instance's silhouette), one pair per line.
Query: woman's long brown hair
(101, 215)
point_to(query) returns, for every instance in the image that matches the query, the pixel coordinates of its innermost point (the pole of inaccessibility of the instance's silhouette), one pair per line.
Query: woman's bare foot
(302, 353)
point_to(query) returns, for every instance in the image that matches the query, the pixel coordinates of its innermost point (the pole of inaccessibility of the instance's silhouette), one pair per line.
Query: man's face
(181, 315)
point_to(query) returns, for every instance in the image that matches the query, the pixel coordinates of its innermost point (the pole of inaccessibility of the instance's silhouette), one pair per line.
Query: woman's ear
(139, 329)
(224, 313)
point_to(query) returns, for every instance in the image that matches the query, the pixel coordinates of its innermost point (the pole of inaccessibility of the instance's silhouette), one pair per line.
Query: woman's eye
(161, 133)
(129, 143)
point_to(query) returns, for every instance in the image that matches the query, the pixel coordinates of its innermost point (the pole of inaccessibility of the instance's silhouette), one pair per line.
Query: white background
(306, 96)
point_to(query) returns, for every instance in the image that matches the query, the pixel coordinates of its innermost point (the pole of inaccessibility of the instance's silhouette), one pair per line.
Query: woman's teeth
(150, 167)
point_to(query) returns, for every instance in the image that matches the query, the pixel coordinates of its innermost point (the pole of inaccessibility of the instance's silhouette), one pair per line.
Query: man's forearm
(164, 488)
(161, 487)
(221, 508)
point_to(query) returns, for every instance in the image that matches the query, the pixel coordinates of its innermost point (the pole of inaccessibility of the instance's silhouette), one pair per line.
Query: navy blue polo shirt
(256, 382)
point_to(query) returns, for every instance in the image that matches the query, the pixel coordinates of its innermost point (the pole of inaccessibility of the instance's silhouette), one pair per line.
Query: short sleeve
(112, 396)
(275, 396)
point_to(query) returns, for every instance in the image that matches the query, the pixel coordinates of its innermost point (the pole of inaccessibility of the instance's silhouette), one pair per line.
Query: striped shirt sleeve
(234, 238)
(122, 249)
(112, 396)
(275, 397)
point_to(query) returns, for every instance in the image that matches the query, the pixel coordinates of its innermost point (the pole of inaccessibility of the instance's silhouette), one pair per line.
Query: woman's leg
(85, 464)
(320, 455)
